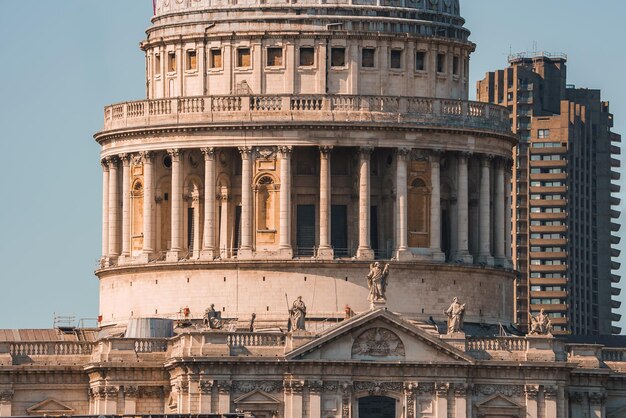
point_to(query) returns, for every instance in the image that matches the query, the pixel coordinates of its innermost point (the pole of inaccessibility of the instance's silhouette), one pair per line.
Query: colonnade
(494, 218)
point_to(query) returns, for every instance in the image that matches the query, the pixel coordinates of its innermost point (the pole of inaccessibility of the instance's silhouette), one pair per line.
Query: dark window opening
(396, 58)
(307, 57)
(338, 57)
(367, 57)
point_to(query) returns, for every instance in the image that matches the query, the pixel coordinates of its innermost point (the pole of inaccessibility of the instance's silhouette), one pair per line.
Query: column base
(486, 259)
(286, 253)
(124, 259)
(404, 254)
(503, 262)
(173, 256)
(245, 254)
(463, 257)
(207, 255)
(326, 253)
(438, 256)
(144, 258)
(110, 261)
(365, 253)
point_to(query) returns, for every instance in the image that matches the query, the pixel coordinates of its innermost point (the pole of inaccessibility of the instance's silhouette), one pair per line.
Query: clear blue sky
(62, 61)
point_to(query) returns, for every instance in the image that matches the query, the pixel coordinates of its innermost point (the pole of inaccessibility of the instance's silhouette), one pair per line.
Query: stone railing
(614, 354)
(53, 348)
(338, 109)
(252, 339)
(496, 344)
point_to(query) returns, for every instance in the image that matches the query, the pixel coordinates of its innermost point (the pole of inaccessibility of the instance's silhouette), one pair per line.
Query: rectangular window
(215, 58)
(420, 61)
(243, 57)
(441, 63)
(157, 64)
(543, 133)
(367, 57)
(455, 65)
(307, 57)
(338, 57)
(274, 57)
(396, 58)
(192, 60)
(171, 62)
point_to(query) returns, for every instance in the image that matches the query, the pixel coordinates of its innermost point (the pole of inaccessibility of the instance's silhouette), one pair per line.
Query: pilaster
(462, 250)
(6, 402)
(484, 255)
(531, 392)
(147, 159)
(435, 207)
(245, 246)
(442, 399)
(284, 246)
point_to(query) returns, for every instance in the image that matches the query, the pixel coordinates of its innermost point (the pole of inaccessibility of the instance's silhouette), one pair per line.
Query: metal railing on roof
(537, 54)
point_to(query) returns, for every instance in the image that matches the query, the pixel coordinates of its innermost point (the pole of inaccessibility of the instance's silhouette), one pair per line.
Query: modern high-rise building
(563, 180)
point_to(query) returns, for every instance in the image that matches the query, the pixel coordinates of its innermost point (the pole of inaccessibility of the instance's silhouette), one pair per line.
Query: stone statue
(213, 318)
(540, 324)
(456, 315)
(377, 282)
(297, 315)
(251, 326)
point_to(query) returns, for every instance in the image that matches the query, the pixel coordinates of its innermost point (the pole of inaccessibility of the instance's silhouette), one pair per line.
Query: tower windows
(157, 64)
(441, 63)
(215, 58)
(171, 62)
(243, 57)
(274, 57)
(455, 65)
(420, 61)
(367, 57)
(307, 57)
(192, 60)
(396, 58)
(338, 57)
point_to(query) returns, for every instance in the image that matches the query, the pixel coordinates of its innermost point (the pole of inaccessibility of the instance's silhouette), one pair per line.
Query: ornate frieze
(531, 391)
(550, 392)
(378, 342)
(506, 390)
(315, 386)
(378, 388)
(6, 395)
(206, 386)
(131, 391)
(596, 398)
(442, 389)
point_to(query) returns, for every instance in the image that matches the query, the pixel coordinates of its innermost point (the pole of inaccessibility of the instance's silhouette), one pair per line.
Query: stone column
(195, 204)
(575, 404)
(208, 233)
(462, 250)
(315, 399)
(442, 400)
(125, 158)
(364, 252)
(531, 392)
(206, 389)
(435, 207)
(284, 245)
(6, 400)
(223, 200)
(402, 225)
(293, 399)
(114, 209)
(245, 245)
(105, 210)
(508, 207)
(325, 251)
(460, 401)
(130, 400)
(148, 205)
(499, 229)
(484, 255)
(223, 395)
(175, 252)
(596, 405)
(550, 394)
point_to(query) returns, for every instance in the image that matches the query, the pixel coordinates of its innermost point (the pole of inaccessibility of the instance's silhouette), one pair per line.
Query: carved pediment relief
(256, 397)
(499, 405)
(50, 406)
(378, 343)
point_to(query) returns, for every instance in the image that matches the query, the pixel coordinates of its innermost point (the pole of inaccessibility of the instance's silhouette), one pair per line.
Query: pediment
(50, 406)
(498, 402)
(379, 336)
(257, 397)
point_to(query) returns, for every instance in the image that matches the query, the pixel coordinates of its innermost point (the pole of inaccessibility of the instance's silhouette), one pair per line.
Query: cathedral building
(307, 217)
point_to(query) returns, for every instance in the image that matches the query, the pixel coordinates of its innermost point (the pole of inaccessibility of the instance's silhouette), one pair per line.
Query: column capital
(403, 153)
(206, 386)
(315, 386)
(325, 150)
(245, 152)
(285, 151)
(365, 152)
(576, 397)
(175, 153)
(112, 160)
(531, 391)
(461, 389)
(463, 155)
(147, 157)
(6, 395)
(442, 389)
(486, 160)
(435, 156)
(596, 398)
(131, 392)
(550, 392)
(105, 164)
(224, 386)
(125, 158)
(209, 153)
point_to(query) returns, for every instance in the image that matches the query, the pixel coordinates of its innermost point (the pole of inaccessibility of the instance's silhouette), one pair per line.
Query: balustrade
(496, 344)
(55, 348)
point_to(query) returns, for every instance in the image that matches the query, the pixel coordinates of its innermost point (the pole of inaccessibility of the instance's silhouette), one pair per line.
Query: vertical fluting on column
(105, 210)
(325, 251)
(499, 228)
(177, 206)
(364, 252)
(484, 255)
(208, 233)
(508, 207)
(125, 158)
(245, 246)
(114, 208)
(147, 159)
(402, 248)
(462, 251)
(284, 243)
(435, 206)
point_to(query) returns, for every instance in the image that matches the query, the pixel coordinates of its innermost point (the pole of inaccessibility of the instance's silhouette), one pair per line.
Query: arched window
(265, 204)
(419, 214)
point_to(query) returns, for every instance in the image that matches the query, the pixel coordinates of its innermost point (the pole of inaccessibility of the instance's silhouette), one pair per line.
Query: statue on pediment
(297, 315)
(212, 318)
(540, 324)
(456, 316)
(377, 282)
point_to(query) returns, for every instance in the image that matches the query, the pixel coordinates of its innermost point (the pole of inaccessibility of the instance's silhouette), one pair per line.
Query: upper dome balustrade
(317, 109)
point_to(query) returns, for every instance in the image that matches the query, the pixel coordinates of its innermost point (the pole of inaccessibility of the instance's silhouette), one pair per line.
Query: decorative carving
(131, 392)
(442, 389)
(209, 153)
(266, 153)
(331, 387)
(315, 386)
(147, 157)
(378, 388)
(346, 399)
(378, 342)
(151, 392)
(293, 386)
(224, 386)
(596, 398)
(426, 388)
(6, 395)
(365, 152)
(540, 324)
(213, 318)
(125, 159)
(419, 155)
(325, 151)
(206, 386)
(576, 397)
(456, 315)
(182, 386)
(285, 151)
(403, 153)
(409, 393)
(377, 282)
(550, 392)
(531, 391)
(297, 315)
(506, 390)
(105, 165)
(461, 389)
(245, 152)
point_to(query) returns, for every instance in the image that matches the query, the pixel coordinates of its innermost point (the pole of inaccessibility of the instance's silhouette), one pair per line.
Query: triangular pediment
(499, 402)
(48, 407)
(379, 336)
(257, 397)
